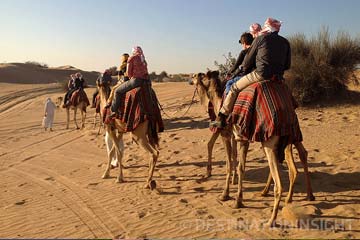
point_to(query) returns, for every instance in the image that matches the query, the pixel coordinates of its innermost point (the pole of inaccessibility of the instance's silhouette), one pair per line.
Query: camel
(209, 86)
(140, 135)
(79, 101)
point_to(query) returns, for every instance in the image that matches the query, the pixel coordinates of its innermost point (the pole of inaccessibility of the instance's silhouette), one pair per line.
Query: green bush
(322, 66)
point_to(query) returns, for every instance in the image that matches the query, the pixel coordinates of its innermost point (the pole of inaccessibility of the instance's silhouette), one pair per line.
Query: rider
(77, 82)
(269, 55)
(236, 72)
(122, 69)
(70, 87)
(138, 75)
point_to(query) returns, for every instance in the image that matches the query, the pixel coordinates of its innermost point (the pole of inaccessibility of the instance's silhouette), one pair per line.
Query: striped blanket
(266, 109)
(138, 105)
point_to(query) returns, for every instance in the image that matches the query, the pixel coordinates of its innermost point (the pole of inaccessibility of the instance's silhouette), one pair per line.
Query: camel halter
(190, 104)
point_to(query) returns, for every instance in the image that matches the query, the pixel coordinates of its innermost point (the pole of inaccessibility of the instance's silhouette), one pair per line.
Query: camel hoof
(310, 198)
(105, 176)
(237, 205)
(265, 193)
(208, 174)
(119, 180)
(152, 184)
(270, 224)
(224, 197)
(287, 201)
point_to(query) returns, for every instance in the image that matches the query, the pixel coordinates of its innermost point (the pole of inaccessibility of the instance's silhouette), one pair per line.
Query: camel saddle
(79, 96)
(266, 109)
(138, 105)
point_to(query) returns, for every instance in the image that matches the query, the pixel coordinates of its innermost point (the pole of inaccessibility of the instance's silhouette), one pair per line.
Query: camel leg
(67, 118)
(94, 123)
(244, 146)
(266, 190)
(83, 118)
(140, 136)
(110, 150)
(115, 140)
(227, 142)
(75, 110)
(119, 156)
(270, 150)
(303, 158)
(234, 162)
(210, 147)
(292, 171)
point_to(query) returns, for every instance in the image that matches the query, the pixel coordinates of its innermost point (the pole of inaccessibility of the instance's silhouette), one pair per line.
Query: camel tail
(153, 134)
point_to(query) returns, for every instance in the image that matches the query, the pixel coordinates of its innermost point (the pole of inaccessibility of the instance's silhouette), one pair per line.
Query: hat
(255, 28)
(271, 25)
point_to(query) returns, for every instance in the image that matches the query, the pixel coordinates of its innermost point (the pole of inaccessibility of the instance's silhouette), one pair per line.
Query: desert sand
(51, 185)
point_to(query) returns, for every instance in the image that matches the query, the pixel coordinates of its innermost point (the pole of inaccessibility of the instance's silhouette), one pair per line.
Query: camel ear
(208, 74)
(198, 75)
(215, 74)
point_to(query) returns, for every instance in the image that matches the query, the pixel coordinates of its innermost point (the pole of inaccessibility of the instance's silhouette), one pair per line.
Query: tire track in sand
(10, 101)
(89, 211)
(40, 151)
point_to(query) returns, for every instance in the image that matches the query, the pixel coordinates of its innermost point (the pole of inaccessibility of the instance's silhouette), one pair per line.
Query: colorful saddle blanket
(138, 105)
(266, 109)
(79, 96)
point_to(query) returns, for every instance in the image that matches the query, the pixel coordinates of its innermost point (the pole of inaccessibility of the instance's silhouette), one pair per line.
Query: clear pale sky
(177, 36)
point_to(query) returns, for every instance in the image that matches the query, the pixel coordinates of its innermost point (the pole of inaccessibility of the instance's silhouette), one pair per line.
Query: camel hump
(79, 96)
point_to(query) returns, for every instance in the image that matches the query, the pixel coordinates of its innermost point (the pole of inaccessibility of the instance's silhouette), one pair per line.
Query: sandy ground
(51, 186)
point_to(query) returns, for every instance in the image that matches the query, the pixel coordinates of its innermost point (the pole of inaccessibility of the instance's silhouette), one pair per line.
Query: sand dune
(32, 74)
(51, 186)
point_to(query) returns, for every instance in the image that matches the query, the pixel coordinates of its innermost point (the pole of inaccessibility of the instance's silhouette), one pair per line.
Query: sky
(177, 36)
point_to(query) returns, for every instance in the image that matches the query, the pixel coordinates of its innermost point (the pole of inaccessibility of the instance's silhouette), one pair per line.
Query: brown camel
(209, 86)
(140, 135)
(78, 101)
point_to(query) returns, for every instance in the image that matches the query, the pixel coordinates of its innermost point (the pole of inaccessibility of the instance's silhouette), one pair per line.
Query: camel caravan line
(140, 115)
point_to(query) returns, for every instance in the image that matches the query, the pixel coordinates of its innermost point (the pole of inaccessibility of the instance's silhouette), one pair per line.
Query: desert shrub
(224, 68)
(38, 64)
(322, 66)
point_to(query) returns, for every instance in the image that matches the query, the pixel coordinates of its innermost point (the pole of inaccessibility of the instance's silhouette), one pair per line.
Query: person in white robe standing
(49, 112)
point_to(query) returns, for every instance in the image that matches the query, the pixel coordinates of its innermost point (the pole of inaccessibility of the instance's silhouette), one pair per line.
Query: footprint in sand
(201, 212)
(198, 189)
(93, 184)
(49, 179)
(141, 214)
(183, 200)
(20, 202)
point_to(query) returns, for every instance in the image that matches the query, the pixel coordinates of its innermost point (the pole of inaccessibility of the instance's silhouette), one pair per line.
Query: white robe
(49, 112)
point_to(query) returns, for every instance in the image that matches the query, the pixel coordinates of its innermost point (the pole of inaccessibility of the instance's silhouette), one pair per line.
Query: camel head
(209, 85)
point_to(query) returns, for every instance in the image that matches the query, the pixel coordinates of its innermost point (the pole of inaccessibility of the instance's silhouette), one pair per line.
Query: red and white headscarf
(255, 29)
(137, 51)
(271, 25)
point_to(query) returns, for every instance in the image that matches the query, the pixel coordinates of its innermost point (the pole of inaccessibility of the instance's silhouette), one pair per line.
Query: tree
(225, 68)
